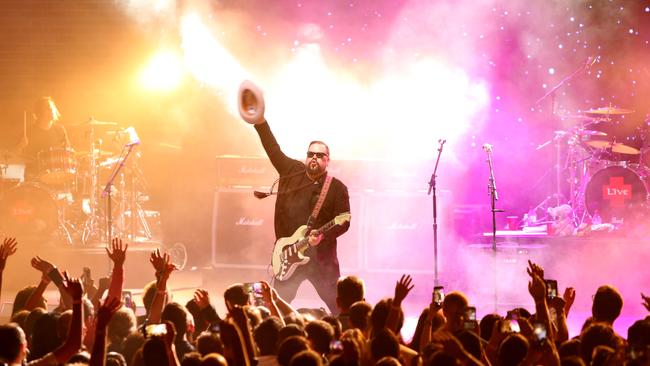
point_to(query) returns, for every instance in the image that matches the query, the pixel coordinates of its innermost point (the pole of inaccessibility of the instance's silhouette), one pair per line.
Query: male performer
(299, 188)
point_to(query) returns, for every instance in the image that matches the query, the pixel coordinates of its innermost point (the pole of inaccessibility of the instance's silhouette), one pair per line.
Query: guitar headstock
(342, 218)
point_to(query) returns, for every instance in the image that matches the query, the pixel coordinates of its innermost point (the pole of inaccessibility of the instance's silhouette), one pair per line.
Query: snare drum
(616, 193)
(28, 209)
(57, 166)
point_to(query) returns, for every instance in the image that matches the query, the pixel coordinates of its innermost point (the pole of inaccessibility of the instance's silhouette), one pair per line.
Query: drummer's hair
(40, 102)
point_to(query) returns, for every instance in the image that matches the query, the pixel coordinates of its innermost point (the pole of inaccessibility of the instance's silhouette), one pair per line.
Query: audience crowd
(96, 325)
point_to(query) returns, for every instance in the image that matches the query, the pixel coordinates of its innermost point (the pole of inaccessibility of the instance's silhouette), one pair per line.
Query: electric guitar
(288, 252)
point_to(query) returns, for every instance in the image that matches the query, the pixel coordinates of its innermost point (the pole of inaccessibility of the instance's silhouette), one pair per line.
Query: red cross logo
(617, 192)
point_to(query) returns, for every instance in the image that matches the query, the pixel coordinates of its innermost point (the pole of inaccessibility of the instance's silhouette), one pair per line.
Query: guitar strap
(321, 199)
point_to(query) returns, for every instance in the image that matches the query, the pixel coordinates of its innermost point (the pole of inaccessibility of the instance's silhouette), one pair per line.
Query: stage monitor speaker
(243, 233)
(242, 228)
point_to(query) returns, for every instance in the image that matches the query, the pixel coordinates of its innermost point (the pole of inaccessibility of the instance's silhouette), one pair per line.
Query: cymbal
(589, 132)
(618, 148)
(609, 111)
(624, 149)
(97, 152)
(93, 122)
(599, 144)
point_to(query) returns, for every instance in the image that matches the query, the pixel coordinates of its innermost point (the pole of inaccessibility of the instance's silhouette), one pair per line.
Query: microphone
(134, 139)
(487, 148)
(261, 195)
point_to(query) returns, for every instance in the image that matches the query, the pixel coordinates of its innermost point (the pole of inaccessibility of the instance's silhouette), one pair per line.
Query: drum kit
(608, 164)
(65, 196)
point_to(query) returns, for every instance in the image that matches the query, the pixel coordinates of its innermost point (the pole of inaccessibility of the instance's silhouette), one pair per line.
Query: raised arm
(8, 248)
(270, 301)
(104, 315)
(402, 288)
(49, 270)
(202, 298)
(164, 267)
(72, 344)
(537, 289)
(280, 161)
(284, 307)
(117, 254)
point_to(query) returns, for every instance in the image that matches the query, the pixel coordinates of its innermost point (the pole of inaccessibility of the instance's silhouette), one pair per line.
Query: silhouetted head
(349, 290)
(607, 304)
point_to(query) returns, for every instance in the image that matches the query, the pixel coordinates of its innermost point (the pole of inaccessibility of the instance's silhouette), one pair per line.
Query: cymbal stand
(91, 226)
(137, 214)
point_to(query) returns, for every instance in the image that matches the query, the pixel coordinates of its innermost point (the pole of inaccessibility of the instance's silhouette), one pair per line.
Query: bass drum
(28, 209)
(616, 193)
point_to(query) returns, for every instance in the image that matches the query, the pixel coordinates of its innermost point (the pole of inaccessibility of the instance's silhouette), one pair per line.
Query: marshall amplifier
(242, 229)
(235, 170)
(398, 231)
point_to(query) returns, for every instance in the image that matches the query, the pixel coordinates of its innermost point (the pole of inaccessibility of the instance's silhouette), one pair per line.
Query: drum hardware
(57, 166)
(124, 186)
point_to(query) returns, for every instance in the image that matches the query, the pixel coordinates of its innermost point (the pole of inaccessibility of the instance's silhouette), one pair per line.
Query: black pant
(322, 277)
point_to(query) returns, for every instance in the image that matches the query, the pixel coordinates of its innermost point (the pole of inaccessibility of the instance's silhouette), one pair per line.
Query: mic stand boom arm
(107, 191)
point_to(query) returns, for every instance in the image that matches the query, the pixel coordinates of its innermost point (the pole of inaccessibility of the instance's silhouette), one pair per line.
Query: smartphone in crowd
(254, 291)
(127, 299)
(551, 289)
(470, 313)
(539, 333)
(510, 323)
(336, 347)
(438, 295)
(155, 330)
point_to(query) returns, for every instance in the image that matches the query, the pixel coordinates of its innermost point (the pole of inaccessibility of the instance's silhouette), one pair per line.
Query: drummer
(43, 134)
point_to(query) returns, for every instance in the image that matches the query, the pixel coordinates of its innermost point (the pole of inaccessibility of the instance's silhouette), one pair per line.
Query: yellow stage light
(164, 72)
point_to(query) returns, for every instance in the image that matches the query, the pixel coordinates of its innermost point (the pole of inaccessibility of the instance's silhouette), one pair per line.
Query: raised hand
(106, 311)
(537, 287)
(158, 260)
(534, 268)
(8, 248)
(72, 286)
(646, 301)
(42, 265)
(117, 252)
(569, 297)
(202, 298)
(402, 288)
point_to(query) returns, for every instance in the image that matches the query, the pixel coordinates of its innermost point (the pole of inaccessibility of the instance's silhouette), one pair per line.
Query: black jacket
(297, 196)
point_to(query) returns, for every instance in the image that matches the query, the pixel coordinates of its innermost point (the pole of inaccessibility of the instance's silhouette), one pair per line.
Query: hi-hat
(609, 111)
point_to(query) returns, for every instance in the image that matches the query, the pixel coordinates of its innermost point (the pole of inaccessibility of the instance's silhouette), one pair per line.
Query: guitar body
(289, 253)
(287, 256)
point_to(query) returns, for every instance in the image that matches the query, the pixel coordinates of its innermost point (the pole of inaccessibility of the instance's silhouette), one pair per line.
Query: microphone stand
(432, 188)
(494, 196)
(107, 192)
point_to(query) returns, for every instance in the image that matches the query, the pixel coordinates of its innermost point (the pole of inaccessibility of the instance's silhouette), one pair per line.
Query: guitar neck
(304, 242)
